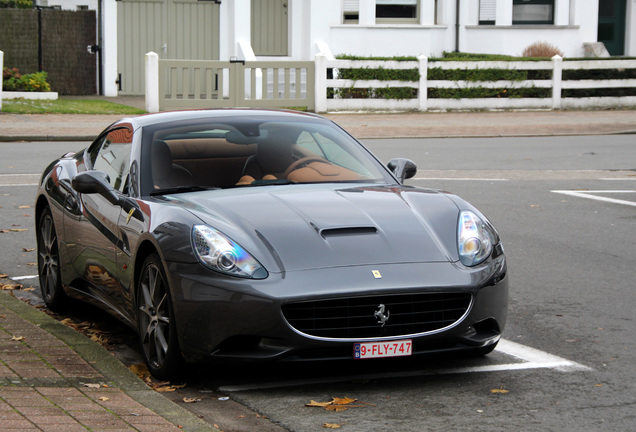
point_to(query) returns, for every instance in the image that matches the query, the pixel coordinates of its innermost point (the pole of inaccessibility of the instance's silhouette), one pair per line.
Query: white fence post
(152, 82)
(1, 68)
(320, 83)
(422, 93)
(557, 81)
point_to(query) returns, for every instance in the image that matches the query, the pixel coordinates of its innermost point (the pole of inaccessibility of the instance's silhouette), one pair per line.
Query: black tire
(49, 262)
(155, 320)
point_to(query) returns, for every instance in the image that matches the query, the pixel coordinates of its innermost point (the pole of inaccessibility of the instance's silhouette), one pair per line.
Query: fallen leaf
(141, 370)
(18, 229)
(313, 403)
(93, 386)
(343, 401)
(28, 249)
(331, 426)
(103, 399)
(17, 338)
(166, 389)
(24, 206)
(499, 390)
(3, 275)
(190, 400)
(336, 408)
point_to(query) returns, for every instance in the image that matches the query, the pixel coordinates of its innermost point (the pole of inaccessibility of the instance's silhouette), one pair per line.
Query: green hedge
(473, 75)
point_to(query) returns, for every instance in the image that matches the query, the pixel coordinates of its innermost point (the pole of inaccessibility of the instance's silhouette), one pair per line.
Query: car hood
(317, 226)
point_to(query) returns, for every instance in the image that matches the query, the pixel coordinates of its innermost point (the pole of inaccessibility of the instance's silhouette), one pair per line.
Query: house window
(533, 12)
(351, 11)
(396, 11)
(487, 12)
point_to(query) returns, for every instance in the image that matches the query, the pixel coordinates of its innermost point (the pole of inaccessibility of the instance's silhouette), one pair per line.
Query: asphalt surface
(53, 378)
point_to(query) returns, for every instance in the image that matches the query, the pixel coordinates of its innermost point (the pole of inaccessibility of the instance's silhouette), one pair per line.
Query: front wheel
(49, 262)
(155, 320)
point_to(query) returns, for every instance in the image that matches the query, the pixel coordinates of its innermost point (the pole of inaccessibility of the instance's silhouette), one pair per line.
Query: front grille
(354, 318)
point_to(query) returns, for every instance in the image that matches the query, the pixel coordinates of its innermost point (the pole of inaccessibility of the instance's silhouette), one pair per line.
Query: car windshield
(252, 152)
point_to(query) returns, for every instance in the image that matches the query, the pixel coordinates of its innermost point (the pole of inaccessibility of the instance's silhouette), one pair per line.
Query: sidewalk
(85, 127)
(52, 378)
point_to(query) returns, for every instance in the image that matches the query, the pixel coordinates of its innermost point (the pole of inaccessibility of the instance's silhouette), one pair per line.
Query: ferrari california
(261, 235)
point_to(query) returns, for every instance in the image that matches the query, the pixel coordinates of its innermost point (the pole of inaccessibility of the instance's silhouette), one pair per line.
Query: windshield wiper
(182, 189)
(271, 182)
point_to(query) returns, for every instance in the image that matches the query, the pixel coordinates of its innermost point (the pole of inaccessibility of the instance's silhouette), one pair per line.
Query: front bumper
(225, 318)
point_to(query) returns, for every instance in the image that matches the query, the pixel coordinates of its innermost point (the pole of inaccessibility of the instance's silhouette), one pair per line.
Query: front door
(269, 27)
(611, 25)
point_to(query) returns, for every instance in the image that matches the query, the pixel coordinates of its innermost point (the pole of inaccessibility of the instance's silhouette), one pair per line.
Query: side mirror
(402, 168)
(90, 182)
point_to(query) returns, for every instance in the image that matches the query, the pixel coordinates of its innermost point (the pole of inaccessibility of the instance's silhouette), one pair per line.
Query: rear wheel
(49, 262)
(155, 320)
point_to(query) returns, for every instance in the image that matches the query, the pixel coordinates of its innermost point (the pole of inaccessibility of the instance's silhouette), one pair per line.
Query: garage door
(174, 29)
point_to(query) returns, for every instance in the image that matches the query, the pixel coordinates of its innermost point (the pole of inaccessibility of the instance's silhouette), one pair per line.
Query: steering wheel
(302, 162)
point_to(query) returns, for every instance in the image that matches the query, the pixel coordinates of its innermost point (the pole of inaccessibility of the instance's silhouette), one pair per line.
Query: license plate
(398, 348)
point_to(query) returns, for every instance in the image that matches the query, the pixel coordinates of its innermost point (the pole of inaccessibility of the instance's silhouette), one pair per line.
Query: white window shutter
(487, 10)
(351, 6)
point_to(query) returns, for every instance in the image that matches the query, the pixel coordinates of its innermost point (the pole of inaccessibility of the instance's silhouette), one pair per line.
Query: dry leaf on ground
(331, 426)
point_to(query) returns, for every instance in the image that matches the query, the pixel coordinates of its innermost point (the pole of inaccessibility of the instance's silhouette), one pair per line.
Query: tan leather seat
(166, 174)
(321, 172)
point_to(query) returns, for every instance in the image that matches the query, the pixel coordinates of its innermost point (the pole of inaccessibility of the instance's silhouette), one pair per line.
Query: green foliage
(477, 74)
(373, 93)
(16, 4)
(599, 74)
(12, 80)
(599, 92)
(380, 74)
(397, 58)
(480, 92)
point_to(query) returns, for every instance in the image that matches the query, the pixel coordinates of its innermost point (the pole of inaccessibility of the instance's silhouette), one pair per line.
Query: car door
(94, 237)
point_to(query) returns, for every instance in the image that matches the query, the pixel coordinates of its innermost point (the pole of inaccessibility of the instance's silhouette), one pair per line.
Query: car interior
(213, 159)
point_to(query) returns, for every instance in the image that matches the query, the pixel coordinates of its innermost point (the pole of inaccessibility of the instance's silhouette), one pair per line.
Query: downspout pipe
(457, 6)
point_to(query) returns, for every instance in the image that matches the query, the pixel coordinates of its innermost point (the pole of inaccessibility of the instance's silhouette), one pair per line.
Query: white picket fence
(423, 103)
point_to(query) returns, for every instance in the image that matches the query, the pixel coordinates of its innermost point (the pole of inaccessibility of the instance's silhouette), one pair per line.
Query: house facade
(299, 29)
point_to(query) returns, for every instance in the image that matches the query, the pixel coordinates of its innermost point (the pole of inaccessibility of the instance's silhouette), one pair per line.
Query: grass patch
(67, 106)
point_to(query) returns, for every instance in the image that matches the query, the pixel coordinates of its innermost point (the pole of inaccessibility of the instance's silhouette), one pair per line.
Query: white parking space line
(591, 195)
(528, 358)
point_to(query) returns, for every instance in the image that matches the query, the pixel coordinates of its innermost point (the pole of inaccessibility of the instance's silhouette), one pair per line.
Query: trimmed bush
(12, 80)
(542, 50)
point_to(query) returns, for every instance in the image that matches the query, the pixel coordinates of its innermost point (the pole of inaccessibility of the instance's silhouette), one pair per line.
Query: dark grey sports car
(263, 235)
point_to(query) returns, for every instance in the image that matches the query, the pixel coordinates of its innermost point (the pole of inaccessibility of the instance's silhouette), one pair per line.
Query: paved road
(572, 269)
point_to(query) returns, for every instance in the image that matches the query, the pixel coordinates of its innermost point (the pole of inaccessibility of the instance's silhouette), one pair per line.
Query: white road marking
(619, 179)
(530, 358)
(460, 179)
(591, 195)
(15, 180)
(19, 278)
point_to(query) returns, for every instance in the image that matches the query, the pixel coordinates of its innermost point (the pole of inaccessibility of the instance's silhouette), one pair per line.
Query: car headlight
(219, 253)
(475, 239)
